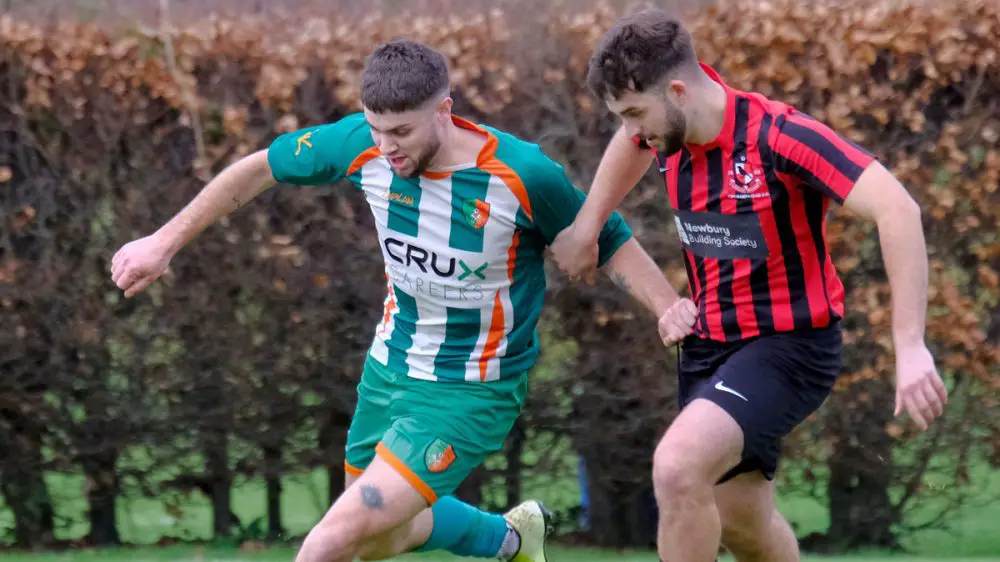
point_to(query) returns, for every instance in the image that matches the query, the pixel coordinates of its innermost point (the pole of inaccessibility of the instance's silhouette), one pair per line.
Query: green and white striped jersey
(463, 250)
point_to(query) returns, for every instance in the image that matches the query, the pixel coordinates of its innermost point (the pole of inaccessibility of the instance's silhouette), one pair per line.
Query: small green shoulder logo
(439, 456)
(476, 212)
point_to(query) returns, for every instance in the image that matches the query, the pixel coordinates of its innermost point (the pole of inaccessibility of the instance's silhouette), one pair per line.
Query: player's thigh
(379, 500)
(350, 479)
(701, 444)
(770, 386)
(371, 418)
(704, 439)
(398, 539)
(441, 431)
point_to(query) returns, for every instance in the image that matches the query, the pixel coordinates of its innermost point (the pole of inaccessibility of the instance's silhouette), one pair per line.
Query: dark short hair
(402, 75)
(638, 52)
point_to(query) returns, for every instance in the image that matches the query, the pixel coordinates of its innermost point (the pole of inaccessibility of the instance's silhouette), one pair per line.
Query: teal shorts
(434, 433)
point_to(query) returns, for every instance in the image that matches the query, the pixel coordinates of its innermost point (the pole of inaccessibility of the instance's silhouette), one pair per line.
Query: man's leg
(461, 528)
(464, 530)
(700, 446)
(371, 421)
(399, 540)
(381, 514)
(752, 528)
(733, 424)
(380, 500)
(440, 432)
(453, 426)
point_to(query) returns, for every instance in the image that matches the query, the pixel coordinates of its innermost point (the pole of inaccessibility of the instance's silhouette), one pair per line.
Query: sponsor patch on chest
(711, 235)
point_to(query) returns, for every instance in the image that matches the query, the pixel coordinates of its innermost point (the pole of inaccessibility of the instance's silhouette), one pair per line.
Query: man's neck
(459, 146)
(707, 123)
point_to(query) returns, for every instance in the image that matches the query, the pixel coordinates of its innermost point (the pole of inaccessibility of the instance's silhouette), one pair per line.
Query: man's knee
(675, 472)
(380, 501)
(698, 448)
(334, 539)
(339, 534)
(353, 535)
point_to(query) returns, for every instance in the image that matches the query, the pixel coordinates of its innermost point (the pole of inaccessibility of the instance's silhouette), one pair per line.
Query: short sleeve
(555, 202)
(322, 154)
(818, 156)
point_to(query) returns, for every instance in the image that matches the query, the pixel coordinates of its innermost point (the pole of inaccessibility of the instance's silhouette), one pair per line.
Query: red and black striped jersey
(750, 209)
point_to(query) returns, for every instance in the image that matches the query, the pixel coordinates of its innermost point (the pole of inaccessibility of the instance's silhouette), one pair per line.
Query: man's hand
(919, 389)
(140, 262)
(678, 321)
(576, 253)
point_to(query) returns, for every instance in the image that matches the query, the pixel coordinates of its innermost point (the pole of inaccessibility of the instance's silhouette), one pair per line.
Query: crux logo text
(427, 262)
(456, 279)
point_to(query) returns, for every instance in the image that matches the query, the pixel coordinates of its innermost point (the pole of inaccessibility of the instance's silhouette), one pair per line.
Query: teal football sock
(464, 530)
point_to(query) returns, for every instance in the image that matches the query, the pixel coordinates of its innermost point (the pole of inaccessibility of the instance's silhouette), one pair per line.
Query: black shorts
(769, 384)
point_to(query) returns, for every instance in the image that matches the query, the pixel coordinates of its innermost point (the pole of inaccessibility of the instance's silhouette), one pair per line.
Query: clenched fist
(140, 262)
(576, 253)
(678, 321)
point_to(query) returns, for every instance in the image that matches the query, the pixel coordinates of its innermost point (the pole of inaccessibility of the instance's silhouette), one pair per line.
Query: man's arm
(635, 272)
(620, 169)
(878, 196)
(141, 262)
(824, 160)
(314, 156)
(556, 203)
(236, 186)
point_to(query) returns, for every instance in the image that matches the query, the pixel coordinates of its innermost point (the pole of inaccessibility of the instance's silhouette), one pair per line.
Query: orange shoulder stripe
(510, 178)
(363, 158)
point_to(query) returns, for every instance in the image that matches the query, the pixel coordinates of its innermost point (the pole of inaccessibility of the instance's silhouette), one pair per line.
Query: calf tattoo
(371, 497)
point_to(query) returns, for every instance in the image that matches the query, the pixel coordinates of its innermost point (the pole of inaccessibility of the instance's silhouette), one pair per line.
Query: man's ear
(445, 105)
(677, 91)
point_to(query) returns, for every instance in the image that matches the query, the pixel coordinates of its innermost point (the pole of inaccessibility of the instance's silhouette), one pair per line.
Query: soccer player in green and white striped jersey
(464, 213)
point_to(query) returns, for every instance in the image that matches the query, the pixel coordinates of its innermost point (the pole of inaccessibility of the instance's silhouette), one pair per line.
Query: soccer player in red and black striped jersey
(750, 181)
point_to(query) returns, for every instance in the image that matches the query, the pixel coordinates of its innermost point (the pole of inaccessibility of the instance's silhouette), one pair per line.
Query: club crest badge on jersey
(742, 178)
(439, 456)
(476, 212)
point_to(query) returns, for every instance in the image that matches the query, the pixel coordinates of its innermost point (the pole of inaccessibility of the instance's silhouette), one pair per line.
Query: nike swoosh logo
(721, 386)
(664, 169)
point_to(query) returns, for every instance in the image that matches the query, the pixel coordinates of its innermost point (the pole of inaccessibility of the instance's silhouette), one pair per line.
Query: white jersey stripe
(434, 226)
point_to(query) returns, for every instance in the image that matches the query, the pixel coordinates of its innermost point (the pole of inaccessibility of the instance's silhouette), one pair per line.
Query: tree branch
(189, 96)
